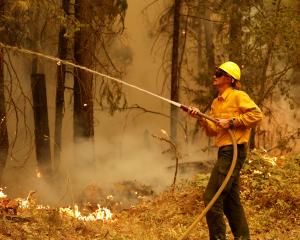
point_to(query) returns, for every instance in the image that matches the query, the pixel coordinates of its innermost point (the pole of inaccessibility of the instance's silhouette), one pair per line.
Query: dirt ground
(270, 193)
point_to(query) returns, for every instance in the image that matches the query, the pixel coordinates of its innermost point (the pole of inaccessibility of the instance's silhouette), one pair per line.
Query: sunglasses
(219, 73)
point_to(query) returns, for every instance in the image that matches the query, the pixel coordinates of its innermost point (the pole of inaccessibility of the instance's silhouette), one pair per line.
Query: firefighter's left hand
(223, 123)
(193, 111)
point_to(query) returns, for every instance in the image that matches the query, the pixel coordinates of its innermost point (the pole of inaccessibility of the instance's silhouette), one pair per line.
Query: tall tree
(4, 145)
(84, 47)
(101, 21)
(41, 126)
(209, 41)
(13, 19)
(235, 32)
(175, 71)
(60, 85)
(39, 96)
(273, 39)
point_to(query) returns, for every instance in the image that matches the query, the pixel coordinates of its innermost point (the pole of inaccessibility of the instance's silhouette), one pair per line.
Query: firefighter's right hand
(194, 112)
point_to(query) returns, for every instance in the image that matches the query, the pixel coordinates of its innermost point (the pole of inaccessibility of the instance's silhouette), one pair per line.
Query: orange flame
(103, 214)
(2, 194)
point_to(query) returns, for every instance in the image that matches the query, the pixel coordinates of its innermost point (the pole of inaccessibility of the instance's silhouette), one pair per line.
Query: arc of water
(61, 61)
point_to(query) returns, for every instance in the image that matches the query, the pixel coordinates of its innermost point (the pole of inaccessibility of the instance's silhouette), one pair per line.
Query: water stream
(61, 61)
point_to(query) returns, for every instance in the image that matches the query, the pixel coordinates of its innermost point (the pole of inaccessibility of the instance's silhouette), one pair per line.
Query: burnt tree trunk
(209, 43)
(39, 97)
(175, 70)
(235, 32)
(4, 145)
(210, 57)
(41, 127)
(83, 81)
(60, 87)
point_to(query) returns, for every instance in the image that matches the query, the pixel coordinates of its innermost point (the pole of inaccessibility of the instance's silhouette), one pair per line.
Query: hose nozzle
(184, 108)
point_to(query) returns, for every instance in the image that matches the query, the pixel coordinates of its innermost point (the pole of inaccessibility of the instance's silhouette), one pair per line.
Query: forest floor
(270, 193)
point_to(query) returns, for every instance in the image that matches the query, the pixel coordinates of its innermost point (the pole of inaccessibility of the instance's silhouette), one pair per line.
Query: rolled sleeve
(250, 113)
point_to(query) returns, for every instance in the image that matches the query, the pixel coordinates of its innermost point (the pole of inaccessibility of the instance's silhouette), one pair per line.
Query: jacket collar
(225, 94)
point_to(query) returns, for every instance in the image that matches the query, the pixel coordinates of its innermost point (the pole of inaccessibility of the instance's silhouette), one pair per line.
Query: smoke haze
(124, 149)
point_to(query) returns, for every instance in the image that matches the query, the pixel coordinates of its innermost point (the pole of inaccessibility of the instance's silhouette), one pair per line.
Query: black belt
(243, 145)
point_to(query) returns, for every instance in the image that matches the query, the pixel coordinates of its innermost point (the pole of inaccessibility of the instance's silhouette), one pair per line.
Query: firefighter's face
(221, 81)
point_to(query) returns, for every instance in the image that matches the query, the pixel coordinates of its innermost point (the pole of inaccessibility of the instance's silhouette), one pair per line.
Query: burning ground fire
(8, 206)
(103, 214)
(122, 195)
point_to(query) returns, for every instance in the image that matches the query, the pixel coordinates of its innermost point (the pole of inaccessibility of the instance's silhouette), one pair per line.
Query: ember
(8, 206)
(2, 194)
(38, 173)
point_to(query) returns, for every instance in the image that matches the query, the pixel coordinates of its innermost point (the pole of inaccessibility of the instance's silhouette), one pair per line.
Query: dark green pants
(229, 201)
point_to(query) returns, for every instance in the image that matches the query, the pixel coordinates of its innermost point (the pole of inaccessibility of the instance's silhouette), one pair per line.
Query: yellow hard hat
(232, 69)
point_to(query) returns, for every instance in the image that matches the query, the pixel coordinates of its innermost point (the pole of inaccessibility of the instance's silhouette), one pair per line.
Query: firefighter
(233, 109)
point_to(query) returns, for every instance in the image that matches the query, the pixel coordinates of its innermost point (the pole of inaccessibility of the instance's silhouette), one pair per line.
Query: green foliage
(271, 50)
(270, 45)
(267, 182)
(11, 17)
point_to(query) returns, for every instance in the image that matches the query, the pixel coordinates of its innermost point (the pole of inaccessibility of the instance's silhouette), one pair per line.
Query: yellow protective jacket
(237, 105)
